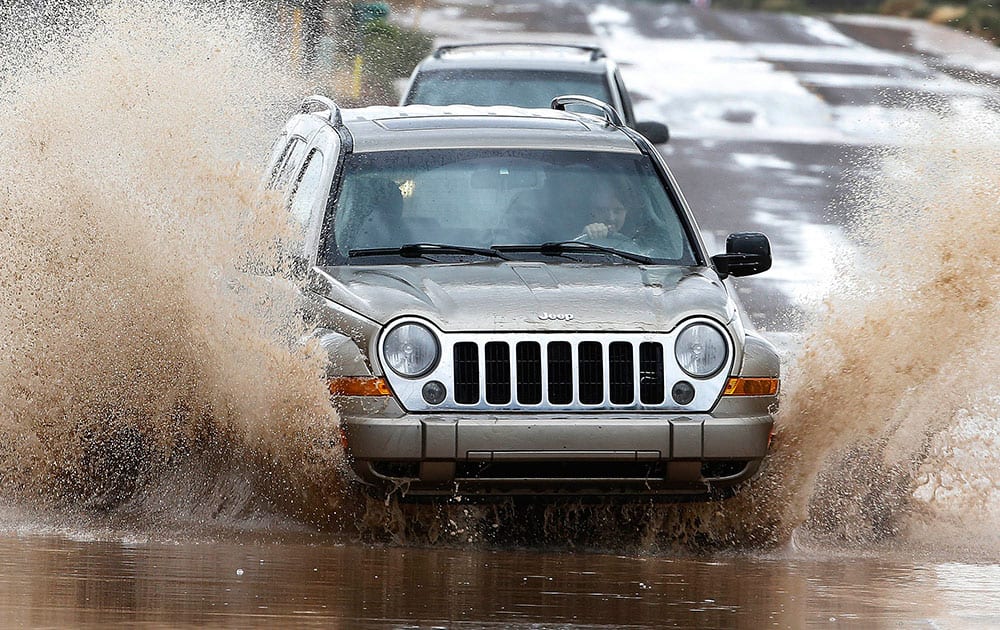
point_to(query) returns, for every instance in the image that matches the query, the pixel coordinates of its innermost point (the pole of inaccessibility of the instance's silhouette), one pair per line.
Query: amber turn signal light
(751, 387)
(359, 386)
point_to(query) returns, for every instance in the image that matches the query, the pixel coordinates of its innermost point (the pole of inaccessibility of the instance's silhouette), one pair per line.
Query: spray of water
(131, 347)
(891, 405)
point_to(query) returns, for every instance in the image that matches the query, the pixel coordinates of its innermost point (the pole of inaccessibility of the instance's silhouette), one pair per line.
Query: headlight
(411, 350)
(700, 350)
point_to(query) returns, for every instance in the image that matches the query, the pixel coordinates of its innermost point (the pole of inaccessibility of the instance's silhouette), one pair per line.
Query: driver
(606, 215)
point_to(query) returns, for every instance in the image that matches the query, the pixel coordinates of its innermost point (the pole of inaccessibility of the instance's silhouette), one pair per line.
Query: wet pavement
(61, 582)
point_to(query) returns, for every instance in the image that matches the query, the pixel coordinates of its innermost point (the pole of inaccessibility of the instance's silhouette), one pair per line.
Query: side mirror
(747, 253)
(655, 132)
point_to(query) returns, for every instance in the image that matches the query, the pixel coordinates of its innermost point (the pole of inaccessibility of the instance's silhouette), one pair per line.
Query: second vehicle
(523, 75)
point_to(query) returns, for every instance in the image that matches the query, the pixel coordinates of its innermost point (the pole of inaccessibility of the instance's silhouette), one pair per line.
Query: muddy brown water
(165, 452)
(58, 581)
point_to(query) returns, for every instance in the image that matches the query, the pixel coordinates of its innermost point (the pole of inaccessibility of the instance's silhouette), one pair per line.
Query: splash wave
(131, 139)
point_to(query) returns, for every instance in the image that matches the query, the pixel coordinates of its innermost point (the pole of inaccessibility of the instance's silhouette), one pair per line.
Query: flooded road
(55, 581)
(165, 442)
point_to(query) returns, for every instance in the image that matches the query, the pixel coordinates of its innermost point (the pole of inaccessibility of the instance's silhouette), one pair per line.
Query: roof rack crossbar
(318, 104)
(611, 115)
(596, 52)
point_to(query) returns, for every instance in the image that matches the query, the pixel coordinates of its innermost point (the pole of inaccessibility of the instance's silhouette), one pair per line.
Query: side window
(304, 197)
(289, 163)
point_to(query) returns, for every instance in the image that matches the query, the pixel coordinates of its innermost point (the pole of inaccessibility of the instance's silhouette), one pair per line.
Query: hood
(529, 296)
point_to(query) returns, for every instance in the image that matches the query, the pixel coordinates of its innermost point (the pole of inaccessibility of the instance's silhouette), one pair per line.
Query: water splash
(894, 390)
(130, 146)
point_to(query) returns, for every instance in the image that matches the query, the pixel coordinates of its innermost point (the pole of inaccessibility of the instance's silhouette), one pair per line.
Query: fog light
(433, 392)
(682, 392)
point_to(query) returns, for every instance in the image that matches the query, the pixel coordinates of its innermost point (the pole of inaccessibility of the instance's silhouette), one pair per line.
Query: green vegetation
(371, 53)
(351, 51)
(982, 17)
(390, 52)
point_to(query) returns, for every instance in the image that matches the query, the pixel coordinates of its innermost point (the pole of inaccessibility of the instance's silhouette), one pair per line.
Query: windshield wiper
(420, 250)
(558, 248)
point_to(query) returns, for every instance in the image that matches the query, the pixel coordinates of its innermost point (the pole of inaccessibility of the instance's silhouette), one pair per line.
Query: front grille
(556, 373)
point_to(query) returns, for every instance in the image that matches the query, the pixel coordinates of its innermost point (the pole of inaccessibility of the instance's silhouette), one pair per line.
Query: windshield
(484, 198)
(521, 88)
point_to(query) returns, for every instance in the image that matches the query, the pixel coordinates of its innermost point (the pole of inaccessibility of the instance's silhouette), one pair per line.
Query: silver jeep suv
(518, 301)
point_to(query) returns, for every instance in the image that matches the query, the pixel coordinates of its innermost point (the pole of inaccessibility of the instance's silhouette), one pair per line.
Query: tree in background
(982, 17)
(350, 49)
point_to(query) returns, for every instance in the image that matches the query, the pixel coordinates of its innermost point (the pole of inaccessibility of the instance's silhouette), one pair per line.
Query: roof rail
(596, 52)
(611, 115)
(317, 103)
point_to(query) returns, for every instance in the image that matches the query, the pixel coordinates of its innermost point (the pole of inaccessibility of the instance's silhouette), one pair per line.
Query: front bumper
(557, 454)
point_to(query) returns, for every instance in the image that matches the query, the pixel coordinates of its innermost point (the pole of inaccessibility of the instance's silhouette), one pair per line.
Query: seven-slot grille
(556, 373)
(564, 372)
